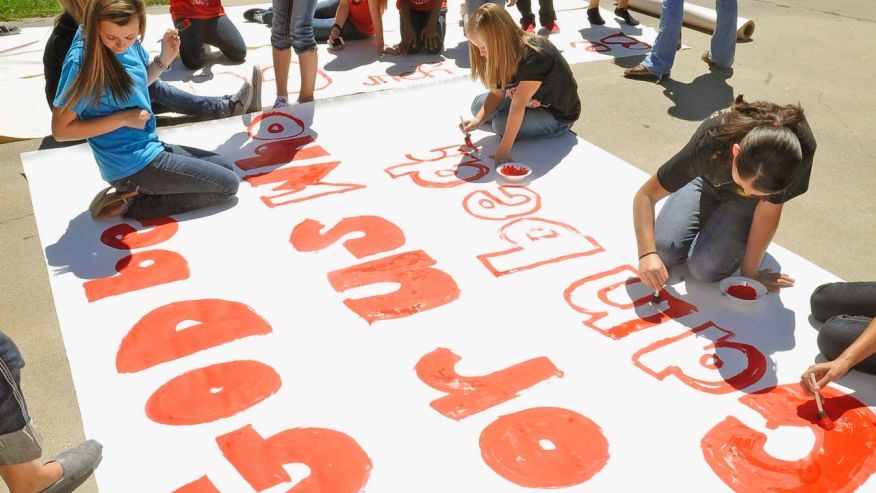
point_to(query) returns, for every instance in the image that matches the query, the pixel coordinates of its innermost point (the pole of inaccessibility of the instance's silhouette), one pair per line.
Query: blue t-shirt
(125, 150)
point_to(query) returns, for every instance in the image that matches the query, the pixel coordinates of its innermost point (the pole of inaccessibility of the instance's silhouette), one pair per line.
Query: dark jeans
(546, 13)
(324, 19)
(708, 232)
(846, 308)
(178, 180)
(169, 99)
(19, 443)
(219, 32)
(418, 22)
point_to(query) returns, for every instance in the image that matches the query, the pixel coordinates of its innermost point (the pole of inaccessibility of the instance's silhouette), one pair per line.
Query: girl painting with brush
(726, 190)
(532, 92)
(103, 97)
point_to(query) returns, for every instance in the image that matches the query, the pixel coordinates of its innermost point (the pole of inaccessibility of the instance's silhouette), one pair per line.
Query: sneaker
(624, 14)
(706, 58)
(77, 463)
(640, 72)
(552, 27)
(256, 104)
(241, 102)
(280, 102)
(254, 15)
(529, 27)
(595, 17)
(6, 30)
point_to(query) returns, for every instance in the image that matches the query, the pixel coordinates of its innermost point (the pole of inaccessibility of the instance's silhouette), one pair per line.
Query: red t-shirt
(196, 9)
(421, 5)
(360, 16)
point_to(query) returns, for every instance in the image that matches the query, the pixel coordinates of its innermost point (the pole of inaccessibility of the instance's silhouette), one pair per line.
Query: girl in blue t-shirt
(103, 97)
(532, 92)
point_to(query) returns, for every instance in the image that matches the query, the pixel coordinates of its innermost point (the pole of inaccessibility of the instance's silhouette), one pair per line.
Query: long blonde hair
(505, 42)
(100, 70)
(76, 9)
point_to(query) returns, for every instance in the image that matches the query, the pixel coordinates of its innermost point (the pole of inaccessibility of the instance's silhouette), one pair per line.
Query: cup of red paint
(514, 172)
(742, 290)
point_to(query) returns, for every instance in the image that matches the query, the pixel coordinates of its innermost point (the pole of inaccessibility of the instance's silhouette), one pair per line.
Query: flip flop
(105, 199)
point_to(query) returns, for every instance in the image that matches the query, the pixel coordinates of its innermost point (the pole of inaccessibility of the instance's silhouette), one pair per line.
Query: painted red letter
(544, 447)
(421, 287)
(139, 271)
(471, 395)
(378, 235)
(449, 168)
(840, 461)
(299, 183)
(337, 463)
(201, 485)
(508, 203)
(183, 328)
(125, 237)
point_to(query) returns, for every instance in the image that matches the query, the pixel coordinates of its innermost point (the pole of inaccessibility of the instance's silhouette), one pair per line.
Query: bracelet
(336, 26)
(163, 68)
(646, 254)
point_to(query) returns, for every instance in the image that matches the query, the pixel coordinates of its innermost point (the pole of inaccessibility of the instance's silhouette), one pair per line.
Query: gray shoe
(78, 463)
(241, 101)
(256, 104)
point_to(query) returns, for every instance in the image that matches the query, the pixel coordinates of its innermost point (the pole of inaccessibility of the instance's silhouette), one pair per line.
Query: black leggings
(846, 308)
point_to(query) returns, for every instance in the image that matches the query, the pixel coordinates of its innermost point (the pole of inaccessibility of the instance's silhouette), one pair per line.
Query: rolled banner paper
(697, 16)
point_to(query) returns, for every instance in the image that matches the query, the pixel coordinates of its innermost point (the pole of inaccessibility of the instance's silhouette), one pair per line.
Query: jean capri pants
(292, 25)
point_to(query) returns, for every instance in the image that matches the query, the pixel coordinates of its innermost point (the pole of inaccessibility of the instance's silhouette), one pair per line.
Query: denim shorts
(19, 440)
(292, 25)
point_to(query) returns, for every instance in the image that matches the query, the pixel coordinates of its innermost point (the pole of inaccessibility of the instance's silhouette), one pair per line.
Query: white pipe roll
(697, 16)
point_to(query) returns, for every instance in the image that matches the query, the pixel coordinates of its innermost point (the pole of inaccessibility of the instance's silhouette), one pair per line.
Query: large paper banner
(378, 312)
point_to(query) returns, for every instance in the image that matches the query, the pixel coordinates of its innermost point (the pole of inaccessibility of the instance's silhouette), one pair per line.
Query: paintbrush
(655, 298)
(468, 141)
(823, 418)
(180, 27)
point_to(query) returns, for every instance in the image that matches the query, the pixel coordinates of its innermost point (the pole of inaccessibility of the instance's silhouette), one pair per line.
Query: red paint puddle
(743, 292)
(513, 170)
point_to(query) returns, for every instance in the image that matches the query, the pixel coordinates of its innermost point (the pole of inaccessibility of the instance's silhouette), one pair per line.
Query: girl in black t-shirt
(532, 90)
(727, 186)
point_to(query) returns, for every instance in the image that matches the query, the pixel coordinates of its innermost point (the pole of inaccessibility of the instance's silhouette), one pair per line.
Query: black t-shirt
(711, 160)
(558, 92)
(56, 50)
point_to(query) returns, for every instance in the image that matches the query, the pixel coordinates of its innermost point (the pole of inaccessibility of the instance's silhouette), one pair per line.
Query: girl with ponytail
(103, 97)
(726, 190)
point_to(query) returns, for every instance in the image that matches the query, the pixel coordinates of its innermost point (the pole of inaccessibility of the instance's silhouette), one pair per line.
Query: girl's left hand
(773, 281)
(170, 46)
(502, 156)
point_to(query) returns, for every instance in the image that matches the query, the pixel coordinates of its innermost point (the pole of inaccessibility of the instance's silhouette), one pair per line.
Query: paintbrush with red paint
(655, 298)
(180, 27)
(823, 418)
(468, 141)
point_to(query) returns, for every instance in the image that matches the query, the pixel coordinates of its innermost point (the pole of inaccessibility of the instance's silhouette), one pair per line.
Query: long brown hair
(769, 139)
(505, 43)
(100, 70)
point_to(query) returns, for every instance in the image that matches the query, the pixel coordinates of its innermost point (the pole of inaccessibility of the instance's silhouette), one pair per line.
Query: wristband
(646, 254)
(337, 26)
(163, 68)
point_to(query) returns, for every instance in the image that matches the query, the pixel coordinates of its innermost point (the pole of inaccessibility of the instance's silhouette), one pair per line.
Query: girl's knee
(193, 61)
(822, 301)
(709, 269)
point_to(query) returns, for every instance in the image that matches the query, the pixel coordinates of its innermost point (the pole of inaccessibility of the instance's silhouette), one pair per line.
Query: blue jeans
(707, 232)
(659, 61)
(169, 99)
(178, 180)
(19, 441)
(846, 308)
(537, 122)
(324, 19)
(219, 32)
(292, 25)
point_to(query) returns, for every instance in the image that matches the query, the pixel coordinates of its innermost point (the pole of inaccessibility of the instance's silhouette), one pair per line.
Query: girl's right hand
(136, 118)
(469, 126)
(824, 374)
(652, 271)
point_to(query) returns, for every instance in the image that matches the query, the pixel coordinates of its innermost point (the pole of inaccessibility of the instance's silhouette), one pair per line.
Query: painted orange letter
(139, 271)
(717, 366)
(281, 152)
(378, 235)
(125, 237)
(337, 463)
(840, 460)
(508, 203)
(213, 392)
(449, 168)
(544, 447)
(539, 242)
(183, 328)
(471, 395)
(201, 485)
(421, 287)
(299, 183)
(617, 304)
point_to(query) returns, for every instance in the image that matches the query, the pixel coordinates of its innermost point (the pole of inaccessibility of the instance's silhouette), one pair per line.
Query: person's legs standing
(281, 44)
(304, 44)
(180, 179)
(724, 39)
(659, 61)
(191, 48)
(546, 13)
(527, 18)
(223, 34)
